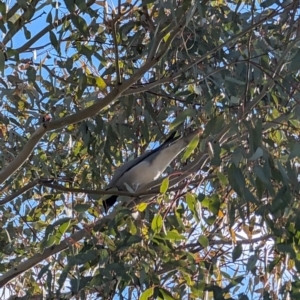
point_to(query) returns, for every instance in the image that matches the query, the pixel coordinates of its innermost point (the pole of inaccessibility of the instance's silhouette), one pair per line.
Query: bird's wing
(165, 155)
(155, 164)
(132, 163)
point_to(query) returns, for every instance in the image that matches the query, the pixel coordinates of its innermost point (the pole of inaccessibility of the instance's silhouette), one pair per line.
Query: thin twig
(19, 192)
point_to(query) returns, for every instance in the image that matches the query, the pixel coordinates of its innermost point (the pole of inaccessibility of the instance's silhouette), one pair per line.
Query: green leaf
(133, 239)
(174, 235)
(237, 252)
(43, 270)
(237, 156)
(31, 74)
(214, 126)
(2, 62)
(3, 9)
(64, 227)
(250, 198)
(295, 150)
(268, 3)
(273, 263)
(190, 200)
(50, 241)
(49, 280)
(166, 37)
(142, 206)
(166, 294)
(234, 80)
(82, 207)
(132, 227)
(146, 295)
(258, 153)
(295, 63)
(191, 147)
(70, 4)
(182, 116)
(283, 173)
(212, 203)
(164, 186)
(215, 151)
(236, 180)
(81, 25)
(203, 241)
(258, 170)
(49, 18)
(53, 40)
(157, 223)
(223, 179)
(27, 33)
(252, 262)
(53, 136)
(286, 248)
(100, 83)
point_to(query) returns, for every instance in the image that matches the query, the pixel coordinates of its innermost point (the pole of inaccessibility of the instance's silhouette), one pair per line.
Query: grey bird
(148, 167)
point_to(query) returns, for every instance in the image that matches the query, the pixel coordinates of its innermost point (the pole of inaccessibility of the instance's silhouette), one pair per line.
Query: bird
(148, 167)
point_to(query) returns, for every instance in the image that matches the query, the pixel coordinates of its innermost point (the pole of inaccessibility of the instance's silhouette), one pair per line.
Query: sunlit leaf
(100, 83)
(203, 241)
(166, 37)
(141, 207)
(166, 294)
(147, 294)
(156, 224)
(64, 227)
(191, 147)
(164, 185)
(174, 235)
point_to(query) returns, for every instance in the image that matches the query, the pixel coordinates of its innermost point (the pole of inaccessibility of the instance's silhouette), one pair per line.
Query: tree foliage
(87, 85)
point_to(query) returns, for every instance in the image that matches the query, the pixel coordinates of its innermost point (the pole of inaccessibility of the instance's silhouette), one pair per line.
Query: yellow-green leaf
(142, 206)
(51, 241)
(190, 148)
(100, 83)
(174, 235)
(64, 227)
(53, 136)
(166, 294)
(223, 179)
(166, 37)
(147, 294)
(132, 227)
(203, 241)
(157, 223)
(164, 185)
(191, 201)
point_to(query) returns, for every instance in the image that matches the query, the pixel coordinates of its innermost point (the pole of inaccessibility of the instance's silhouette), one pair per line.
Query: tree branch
(210, 53)
(271, 81)
(23, 155)
(48, 28)
(20, 191)
(37, 258)
(79, 116)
